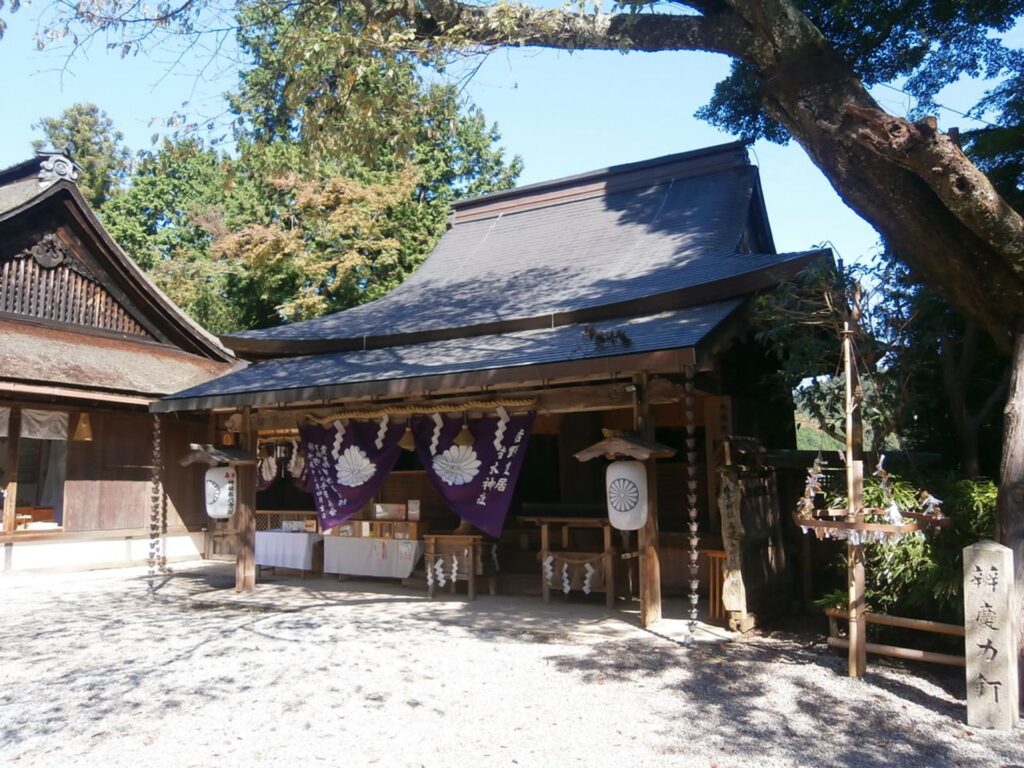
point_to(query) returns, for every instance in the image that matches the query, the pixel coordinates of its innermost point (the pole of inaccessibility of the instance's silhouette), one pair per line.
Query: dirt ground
(113, 668)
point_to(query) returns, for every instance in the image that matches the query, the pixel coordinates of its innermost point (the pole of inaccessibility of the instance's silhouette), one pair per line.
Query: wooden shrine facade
(87, 343)
(616, 300)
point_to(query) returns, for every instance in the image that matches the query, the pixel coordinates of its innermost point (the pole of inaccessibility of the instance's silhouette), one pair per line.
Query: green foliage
(801, 324)
(922, 576)
(86, 132)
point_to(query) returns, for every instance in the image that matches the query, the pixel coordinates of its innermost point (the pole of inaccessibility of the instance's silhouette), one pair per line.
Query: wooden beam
(601, 368)
(11, 495)
(921, 625)
(910, 654)
(16, 389)
(245, 565)
(571, 399)
(650, 561)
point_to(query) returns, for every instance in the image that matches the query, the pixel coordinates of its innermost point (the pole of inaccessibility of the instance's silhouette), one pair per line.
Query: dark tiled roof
(323, 376)
(606, 238)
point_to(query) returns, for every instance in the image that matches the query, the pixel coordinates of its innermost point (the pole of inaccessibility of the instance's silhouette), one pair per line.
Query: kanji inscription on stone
(991, 632)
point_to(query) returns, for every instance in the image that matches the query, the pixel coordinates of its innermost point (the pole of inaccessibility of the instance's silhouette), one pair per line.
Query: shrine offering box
(389, 511)
(413, 510)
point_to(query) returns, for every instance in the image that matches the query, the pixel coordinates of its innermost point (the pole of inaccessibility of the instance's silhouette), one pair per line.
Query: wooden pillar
(245, 565)
(855, 490)
(11, 497)
(545, 547)
(717, 425)
(650, 562)
(609, 568)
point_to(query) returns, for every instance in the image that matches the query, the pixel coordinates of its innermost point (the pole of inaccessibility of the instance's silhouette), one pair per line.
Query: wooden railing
(910, 654)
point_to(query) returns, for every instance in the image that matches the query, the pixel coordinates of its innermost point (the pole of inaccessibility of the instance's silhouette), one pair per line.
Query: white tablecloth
(280, 549)
(356, 556)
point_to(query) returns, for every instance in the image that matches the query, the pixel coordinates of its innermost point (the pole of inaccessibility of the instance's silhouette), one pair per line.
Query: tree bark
(1010, 510)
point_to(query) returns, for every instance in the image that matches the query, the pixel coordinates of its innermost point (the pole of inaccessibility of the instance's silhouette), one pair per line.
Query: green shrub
(921, 576)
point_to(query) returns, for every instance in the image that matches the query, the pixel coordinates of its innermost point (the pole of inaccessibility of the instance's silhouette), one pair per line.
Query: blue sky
(563, 113)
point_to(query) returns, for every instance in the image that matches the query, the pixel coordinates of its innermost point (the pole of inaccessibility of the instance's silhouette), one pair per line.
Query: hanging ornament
(692, 514)
(407, 442)
(465, 437)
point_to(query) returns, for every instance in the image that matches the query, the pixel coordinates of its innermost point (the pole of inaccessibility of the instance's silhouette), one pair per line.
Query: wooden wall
(108, 478)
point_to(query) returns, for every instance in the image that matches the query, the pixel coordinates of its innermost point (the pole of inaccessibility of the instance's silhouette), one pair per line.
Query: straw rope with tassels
(412, 410)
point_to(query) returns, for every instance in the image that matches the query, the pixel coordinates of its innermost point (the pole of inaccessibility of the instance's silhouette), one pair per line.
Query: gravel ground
(94, 671)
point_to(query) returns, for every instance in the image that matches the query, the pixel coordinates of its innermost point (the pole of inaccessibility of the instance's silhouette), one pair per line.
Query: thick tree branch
(966, 191)
(523, 25)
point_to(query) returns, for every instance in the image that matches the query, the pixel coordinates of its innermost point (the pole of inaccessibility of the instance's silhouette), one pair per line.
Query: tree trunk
(1010, 512)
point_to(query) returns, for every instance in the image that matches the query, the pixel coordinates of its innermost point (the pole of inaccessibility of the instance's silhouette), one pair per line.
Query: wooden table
(567, 524)
(358, 556)
(285, 549)
(471, 555)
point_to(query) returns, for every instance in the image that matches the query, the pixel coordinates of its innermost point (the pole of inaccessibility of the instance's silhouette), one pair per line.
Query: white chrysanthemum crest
(458, 465)
(354, 467)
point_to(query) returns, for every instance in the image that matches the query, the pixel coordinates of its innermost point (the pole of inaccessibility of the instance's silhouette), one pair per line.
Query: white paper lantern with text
(626, 489)
(220, 492)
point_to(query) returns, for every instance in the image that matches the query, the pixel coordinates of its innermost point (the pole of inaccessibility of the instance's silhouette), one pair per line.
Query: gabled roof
(675, 231)
(44, 186)
(631, 268)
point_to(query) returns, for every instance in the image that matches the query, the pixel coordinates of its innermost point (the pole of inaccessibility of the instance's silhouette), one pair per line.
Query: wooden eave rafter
(13, 389)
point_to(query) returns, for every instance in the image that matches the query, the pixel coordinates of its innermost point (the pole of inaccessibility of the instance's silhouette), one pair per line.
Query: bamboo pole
(854, 489)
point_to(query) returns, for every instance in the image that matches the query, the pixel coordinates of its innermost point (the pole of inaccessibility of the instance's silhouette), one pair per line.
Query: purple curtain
(477, 481)
(346, 464)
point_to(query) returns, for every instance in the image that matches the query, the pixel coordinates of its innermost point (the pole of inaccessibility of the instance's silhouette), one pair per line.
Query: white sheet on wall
(5, 420)
(44, 425)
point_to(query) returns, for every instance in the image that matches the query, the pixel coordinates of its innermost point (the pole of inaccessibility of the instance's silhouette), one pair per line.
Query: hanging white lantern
(626, 489)
(220, 492)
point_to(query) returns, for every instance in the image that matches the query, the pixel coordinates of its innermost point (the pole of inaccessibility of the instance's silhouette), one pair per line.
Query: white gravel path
(96, 672)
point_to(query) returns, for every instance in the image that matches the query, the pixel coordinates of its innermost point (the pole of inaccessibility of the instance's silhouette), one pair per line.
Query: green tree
(168, 218)
(87, 134)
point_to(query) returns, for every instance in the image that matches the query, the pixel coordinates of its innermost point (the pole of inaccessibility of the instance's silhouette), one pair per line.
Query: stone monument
(990, 621)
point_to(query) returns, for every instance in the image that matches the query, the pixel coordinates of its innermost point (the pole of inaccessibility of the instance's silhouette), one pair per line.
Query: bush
(921, 576)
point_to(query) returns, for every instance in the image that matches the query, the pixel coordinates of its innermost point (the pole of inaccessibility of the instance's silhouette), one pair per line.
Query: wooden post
(855, 489)
(609, 569)
(471, 571)
(650, 563)
(11, 496)
(245, 565)
(545, 546)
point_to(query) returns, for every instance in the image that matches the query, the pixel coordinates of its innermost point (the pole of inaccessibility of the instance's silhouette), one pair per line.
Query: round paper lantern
(220, 492)
(626, 488)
